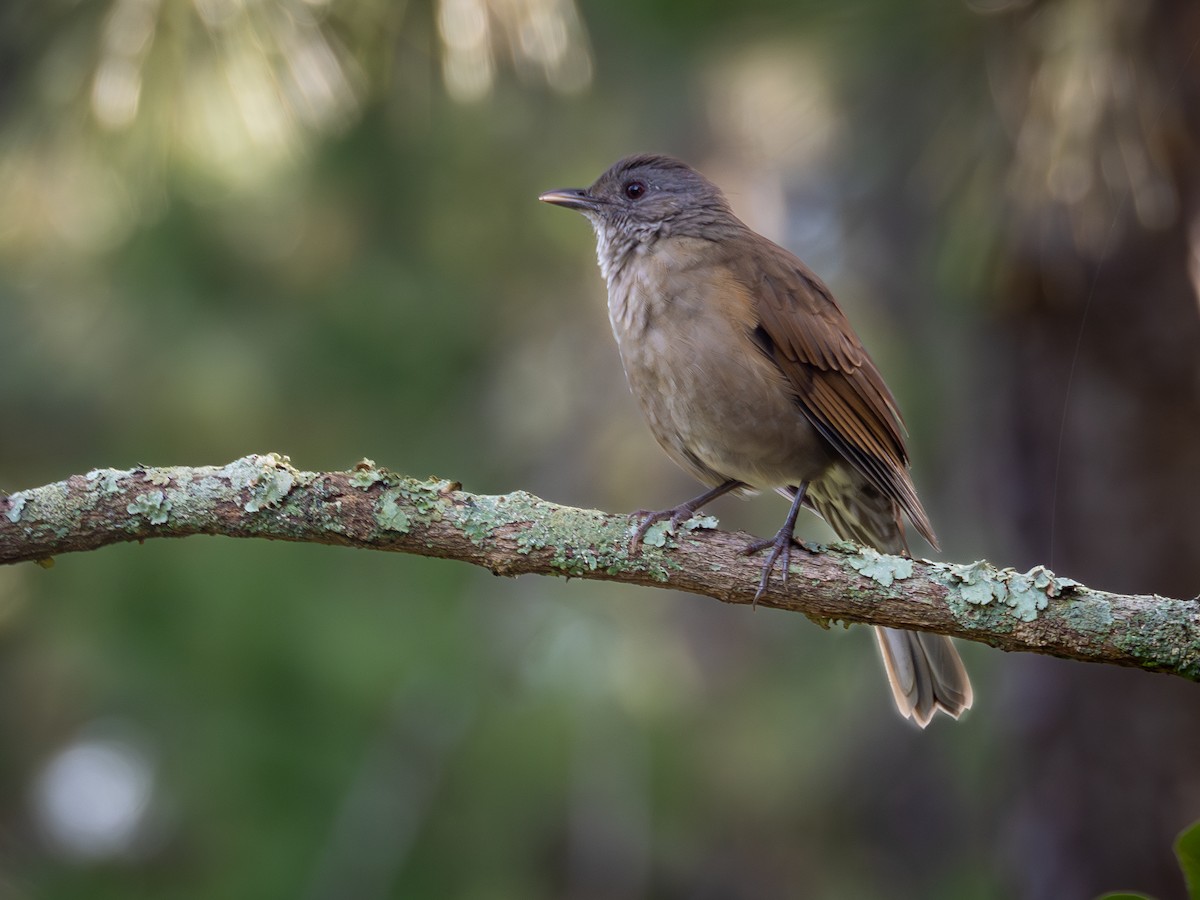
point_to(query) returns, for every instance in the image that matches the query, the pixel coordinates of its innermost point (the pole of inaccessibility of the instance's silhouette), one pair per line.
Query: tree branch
(517, 534)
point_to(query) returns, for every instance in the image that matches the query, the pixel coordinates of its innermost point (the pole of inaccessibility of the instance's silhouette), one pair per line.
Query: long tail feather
(924, 670)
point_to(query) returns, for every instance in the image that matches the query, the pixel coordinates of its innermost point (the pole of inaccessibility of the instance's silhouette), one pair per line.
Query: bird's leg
(781, 544)
(680, 513)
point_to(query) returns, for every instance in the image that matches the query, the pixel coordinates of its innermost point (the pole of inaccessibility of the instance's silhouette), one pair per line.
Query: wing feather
(837, 386)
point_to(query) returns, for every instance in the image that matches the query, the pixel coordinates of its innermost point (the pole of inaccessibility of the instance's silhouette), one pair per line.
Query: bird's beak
(571, 198)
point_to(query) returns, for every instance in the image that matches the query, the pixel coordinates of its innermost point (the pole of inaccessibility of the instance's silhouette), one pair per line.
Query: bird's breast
(718, 406)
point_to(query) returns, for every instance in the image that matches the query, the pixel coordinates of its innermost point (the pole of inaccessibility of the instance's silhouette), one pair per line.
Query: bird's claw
(781, 547)
(647, 519)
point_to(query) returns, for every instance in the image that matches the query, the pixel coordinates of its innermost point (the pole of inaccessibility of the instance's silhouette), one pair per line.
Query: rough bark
(517, 533)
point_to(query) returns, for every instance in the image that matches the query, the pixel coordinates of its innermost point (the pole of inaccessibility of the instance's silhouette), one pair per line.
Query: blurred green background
(310, 226)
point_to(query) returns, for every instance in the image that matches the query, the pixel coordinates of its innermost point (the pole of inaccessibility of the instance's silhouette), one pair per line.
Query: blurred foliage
(310, 226)
(1187, 850)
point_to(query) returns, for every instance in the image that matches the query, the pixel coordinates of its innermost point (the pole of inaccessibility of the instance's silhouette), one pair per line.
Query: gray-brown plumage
(750, 378)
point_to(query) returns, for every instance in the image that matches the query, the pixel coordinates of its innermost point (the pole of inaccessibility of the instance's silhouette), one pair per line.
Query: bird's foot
(677, 515)
(647, 519)
(781, 549)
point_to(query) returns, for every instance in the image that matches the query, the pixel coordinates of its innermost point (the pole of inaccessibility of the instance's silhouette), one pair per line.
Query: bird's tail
(924, 670)
(925, 673)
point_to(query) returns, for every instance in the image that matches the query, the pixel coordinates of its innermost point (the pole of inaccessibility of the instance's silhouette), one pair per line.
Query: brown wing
(837, 386)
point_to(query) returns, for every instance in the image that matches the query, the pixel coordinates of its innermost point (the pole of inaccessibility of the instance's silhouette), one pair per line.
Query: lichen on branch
(264, 496)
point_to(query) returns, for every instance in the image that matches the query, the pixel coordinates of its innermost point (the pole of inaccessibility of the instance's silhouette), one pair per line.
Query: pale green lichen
(366, 474)
(106, 480)
(153, 505)
(390, 515)
(158, 477)
(588, 541)
(427, 497)
(657, 535)
(1026, 599)
(880, 567)
(271, 489)
(48, 510)
(1024, 593)
(1162, 634)
(270, 479)
(660, 533)
(246, 472)
(16, 503)
(479, 517)
(199, 496)
(1053, 585)
(1090, 615)
(977, 584)
(579, 540)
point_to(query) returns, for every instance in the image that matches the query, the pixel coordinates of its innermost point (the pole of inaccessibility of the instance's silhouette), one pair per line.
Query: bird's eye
(635, 189)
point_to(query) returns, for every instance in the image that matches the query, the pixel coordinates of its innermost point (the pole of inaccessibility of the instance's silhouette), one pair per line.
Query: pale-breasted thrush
(751, 378)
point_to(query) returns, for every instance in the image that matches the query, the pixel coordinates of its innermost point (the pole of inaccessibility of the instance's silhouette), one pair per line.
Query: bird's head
(643, 198)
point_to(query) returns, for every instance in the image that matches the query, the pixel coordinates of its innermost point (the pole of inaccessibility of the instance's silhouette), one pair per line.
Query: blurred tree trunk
(1093, 439)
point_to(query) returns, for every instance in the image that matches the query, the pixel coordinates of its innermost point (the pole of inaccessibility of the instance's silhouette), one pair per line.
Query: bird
(752, 379)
